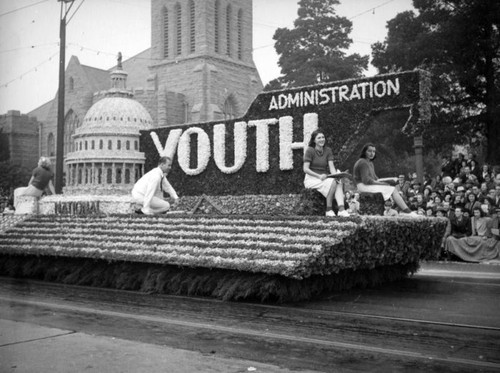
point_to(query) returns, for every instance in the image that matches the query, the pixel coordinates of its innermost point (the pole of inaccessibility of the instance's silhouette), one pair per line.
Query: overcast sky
(29, 37)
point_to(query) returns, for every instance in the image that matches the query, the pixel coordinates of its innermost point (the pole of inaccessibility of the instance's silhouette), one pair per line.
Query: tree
(458, 42)
(314, 51)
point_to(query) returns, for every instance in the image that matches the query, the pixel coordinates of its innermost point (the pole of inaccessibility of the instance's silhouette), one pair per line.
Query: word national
(335, 94)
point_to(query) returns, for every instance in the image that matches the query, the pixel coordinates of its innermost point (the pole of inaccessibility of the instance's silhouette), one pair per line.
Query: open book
(340, 175)
(389, 180)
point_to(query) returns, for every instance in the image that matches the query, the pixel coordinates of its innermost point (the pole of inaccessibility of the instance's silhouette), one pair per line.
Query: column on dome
(132, 176)
(113, 173)
(123, 174)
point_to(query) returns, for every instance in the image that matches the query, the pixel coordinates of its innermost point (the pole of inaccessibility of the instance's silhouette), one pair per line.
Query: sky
(99, 29)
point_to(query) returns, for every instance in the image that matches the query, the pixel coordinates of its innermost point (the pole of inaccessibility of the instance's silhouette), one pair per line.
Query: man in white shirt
(148, 190)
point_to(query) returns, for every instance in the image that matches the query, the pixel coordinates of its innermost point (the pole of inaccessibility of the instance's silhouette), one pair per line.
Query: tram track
(210, 323)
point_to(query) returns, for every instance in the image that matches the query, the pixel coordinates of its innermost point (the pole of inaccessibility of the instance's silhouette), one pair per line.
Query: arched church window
(51, 145)
(228, 30)
(216, 27)
(71, 122)
(71, 84)
(178, 29)
(192, 27)
(165, 32)
(240, 34)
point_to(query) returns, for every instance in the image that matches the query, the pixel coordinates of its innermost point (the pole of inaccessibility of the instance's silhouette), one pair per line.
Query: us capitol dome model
(107, 159)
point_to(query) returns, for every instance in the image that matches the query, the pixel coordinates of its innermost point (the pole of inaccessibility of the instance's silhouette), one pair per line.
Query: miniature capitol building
(107, 159)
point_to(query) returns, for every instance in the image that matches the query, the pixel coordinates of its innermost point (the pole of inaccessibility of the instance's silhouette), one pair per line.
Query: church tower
(201, 60)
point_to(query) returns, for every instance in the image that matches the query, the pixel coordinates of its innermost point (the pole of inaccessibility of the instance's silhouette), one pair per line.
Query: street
(429, 322)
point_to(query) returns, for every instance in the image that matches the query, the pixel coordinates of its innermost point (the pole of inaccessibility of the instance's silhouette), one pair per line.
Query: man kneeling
(148, 190)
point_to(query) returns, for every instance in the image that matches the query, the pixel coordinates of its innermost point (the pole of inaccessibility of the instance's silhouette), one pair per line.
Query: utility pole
(60, 95)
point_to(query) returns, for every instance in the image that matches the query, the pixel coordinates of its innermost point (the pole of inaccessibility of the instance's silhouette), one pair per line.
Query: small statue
(119, 65)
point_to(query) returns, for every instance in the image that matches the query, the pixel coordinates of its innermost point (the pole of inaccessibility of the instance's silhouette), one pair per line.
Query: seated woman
(318, 163)
(482, 244)
(41, 178)
(367, 181)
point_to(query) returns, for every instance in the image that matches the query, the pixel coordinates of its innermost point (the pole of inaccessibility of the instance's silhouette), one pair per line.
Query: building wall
(22, 134)
(205, 77)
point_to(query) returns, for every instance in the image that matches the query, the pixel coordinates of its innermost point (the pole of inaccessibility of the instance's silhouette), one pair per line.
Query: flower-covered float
(241, 182)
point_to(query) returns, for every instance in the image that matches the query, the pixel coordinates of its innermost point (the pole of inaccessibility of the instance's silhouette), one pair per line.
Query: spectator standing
(458, 226)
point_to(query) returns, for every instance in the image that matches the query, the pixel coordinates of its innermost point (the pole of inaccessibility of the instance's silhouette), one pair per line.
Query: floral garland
(183, 151)
(171, 144)
(286, 138)
(240, 147)
(262, 151)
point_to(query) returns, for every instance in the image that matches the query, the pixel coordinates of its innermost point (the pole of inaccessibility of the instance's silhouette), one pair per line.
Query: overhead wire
(23, 7)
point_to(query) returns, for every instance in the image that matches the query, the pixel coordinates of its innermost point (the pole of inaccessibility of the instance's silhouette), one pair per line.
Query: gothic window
(240, 34)
(228, 30)
(165, 32)
(71, 122)
(229, 108)
(192, 27)
(71, 84)
(51, 145)
(216, 26)
(178, 29)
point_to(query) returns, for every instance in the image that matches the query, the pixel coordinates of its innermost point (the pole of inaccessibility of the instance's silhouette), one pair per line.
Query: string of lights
(33, 69)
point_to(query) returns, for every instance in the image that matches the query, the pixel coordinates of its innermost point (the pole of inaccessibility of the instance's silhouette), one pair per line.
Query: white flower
(184, 148)
(240, 147)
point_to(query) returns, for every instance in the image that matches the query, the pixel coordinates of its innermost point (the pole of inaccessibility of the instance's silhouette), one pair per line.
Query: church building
(199, 68)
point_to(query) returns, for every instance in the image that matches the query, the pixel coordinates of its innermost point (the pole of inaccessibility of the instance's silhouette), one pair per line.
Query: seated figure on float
(483, 244)
(148, 190)
(318, 165)
(367, 181)
(41, 179)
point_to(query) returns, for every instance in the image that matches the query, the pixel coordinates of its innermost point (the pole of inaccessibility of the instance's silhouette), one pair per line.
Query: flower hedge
(261, 153)
(293, 247)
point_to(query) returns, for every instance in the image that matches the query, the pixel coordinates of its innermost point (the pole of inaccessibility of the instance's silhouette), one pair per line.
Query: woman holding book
(318, 165)
(367, 181)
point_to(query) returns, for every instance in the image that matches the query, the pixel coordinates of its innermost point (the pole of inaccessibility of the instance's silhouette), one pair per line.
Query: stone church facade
(199, 68)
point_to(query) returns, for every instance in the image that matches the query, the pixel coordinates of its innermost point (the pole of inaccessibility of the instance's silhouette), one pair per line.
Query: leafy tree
(314, 50)
(459, 42)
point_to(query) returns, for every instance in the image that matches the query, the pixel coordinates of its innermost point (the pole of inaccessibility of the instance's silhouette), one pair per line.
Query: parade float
(247, 229)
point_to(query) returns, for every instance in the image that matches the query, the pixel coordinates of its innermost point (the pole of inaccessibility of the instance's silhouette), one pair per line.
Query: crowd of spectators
(462, 182)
